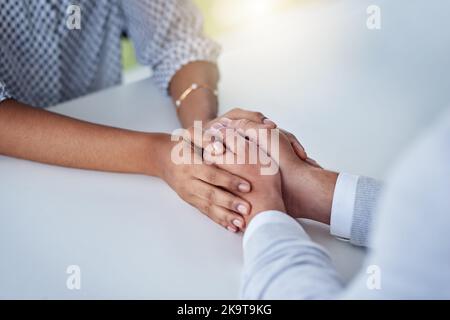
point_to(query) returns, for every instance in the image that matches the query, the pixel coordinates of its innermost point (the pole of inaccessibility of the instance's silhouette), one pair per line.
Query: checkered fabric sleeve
(167, 35)
(4, 95)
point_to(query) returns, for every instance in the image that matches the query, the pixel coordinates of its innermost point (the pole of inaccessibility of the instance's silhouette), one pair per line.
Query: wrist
(269, 201)
(200, 105)
(320, 209)
(157, 148)
(309, 193)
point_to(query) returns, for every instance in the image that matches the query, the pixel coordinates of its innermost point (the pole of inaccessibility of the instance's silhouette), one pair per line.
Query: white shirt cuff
(343, 205)
(267, 217)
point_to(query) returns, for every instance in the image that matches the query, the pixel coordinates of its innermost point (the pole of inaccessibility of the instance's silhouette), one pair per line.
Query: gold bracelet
(192, 88)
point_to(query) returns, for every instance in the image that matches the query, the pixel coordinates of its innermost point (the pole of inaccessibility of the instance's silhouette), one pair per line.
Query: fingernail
(238, 223)
(231, 229)
(244, 187)
(269, 122)
(242, 209)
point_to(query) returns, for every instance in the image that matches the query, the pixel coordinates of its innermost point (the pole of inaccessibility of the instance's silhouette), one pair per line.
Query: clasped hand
(225, 176)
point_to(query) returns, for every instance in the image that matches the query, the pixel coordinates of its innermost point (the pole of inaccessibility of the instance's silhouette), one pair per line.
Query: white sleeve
(281, 261)
(269, 217)
(343, 205)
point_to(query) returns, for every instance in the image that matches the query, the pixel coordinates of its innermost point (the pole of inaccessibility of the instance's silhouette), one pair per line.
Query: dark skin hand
(307, 189)
(43, 136)
(267, 189)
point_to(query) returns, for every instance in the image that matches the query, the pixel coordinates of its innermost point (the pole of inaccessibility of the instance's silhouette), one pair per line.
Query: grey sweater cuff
(367, 194)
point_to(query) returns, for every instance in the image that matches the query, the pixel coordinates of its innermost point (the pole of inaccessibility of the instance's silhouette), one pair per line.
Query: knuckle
(232, 183)
(211, 176)
(226, 219)
(241, 123)
(211, 195)
(206, 209)
(245, 122)
(231, 204)
(259, 115)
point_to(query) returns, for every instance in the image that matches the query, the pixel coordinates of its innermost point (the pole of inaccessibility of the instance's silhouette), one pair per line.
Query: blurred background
(221, 18)
(355, 96)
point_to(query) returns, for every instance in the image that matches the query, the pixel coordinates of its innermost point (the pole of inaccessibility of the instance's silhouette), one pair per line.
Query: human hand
(307, 188)
(212, 190)
(207, 187)
(245, 120)
(249, 119)
(243, 158)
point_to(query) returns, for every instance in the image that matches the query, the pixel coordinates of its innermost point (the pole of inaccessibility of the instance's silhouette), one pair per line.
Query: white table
(355, 98)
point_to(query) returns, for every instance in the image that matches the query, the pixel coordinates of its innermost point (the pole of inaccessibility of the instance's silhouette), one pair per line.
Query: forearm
(46, 137)
(200, 105)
